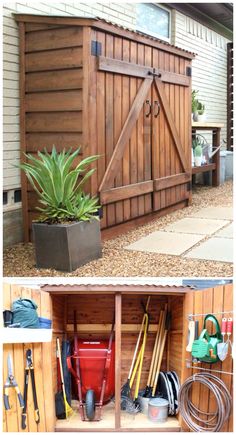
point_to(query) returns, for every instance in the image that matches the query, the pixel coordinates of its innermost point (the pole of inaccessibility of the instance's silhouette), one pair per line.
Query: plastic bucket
(45, 323)
(158, 410)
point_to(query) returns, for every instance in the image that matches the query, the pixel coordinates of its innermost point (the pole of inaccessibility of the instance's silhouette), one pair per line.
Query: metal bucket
(158, 410)
(143, 402)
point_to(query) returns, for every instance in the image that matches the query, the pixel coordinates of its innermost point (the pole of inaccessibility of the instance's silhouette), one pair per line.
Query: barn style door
(148, 159)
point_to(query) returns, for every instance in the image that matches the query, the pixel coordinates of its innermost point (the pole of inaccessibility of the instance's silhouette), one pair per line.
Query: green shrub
(59, 186)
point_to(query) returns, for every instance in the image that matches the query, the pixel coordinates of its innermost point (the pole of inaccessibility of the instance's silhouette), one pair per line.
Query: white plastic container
(158, 410)
(143, 402)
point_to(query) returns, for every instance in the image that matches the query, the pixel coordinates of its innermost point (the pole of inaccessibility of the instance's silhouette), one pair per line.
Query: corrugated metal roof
(103, 20)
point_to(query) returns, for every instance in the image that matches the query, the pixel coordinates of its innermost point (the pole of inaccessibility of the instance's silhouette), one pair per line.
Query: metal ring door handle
(148, 113)
(157, 104)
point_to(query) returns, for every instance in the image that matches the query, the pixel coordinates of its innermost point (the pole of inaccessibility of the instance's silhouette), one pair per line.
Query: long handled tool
(141, 353)
(68, 409)
(157, 355)
(29, 371)
(126, 400)
(148, 389)
(167, 327)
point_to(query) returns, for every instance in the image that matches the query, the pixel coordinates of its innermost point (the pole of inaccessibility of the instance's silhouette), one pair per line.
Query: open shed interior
(95, 307)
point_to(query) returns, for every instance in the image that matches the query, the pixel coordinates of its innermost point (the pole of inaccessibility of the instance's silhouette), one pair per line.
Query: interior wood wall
(42, 359)
(215, 300)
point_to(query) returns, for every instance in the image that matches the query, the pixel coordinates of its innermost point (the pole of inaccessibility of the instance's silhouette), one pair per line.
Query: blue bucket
(45, 323)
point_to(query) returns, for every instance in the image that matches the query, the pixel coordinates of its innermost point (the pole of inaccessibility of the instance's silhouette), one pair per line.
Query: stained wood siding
(42, 359)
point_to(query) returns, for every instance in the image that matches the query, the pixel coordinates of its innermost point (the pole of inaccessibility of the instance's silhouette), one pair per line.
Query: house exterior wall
(209, 76)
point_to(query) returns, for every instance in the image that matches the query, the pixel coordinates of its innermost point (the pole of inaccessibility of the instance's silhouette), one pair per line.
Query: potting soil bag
(25, 313)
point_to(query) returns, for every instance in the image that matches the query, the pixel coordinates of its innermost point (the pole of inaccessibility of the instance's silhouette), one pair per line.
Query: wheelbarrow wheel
(90, 404)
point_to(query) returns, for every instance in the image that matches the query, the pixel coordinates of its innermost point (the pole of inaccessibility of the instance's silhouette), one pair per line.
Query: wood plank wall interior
(56, 58)
(218, 299)
(42, 358)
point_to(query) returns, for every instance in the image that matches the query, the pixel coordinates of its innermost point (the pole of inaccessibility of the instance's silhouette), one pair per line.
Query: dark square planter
(66, 247)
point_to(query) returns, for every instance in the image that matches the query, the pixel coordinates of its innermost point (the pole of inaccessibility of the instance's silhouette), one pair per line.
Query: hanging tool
(29, 371)
(167, 327)
(222, 348)
(192, 326)
(11, 383)
(69, 411)
(126, 400)
(205, 347)
(140, 358)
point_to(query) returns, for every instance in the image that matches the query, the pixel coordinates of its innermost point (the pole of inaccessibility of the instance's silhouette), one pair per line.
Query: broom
(68, 410)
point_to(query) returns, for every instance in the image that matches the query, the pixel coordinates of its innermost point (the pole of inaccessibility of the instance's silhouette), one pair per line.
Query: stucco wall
(209, 68)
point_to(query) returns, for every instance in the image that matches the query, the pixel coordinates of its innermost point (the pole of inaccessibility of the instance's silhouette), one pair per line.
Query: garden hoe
(126, 400)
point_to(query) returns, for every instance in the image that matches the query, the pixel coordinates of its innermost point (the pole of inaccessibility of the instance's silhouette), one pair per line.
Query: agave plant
(59, 186)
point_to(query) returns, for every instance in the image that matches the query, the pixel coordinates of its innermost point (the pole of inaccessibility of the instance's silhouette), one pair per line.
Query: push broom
(68, 410)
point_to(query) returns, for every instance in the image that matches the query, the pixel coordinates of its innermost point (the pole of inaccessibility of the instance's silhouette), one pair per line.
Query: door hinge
(188, 71)
(96, 48)
(189, 186)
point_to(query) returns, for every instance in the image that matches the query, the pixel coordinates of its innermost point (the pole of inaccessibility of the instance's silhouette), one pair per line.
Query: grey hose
(213, 421)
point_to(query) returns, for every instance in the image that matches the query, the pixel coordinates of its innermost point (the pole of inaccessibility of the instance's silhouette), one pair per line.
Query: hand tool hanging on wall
(126, 400)
(222, 348)
(68, 409)
(196, 419)
(11, 383)
(29, 371)
(205, 347)
(192, 334)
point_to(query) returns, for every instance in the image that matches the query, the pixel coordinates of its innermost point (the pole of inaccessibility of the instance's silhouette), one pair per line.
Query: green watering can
(205, 347)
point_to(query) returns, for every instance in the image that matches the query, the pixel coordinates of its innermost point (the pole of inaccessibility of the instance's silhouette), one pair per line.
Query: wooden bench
(213, 167)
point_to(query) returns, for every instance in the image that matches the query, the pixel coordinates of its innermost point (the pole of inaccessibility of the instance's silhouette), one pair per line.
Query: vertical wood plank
(118, 311)
(22, 132)
(49, 409)
(168, 140)
(172, 151)
(140, 135)
(182, 119)
(9, 423)
(147, 137)
(133, 142)
(101, 135)
(216, 158)
(155, 139)
(177, 123)
(198, 308)
(162, 151)
(111, 215)
(125, 111)
(118, 123)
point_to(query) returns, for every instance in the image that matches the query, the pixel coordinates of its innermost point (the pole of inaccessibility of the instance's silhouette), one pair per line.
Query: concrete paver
(226, 232)
(166, 243)
(215, 249)
(196, 226)
(214, 213)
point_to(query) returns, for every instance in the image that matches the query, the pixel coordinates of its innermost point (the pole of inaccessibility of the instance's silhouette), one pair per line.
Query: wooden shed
(114, 92)
(95, 306)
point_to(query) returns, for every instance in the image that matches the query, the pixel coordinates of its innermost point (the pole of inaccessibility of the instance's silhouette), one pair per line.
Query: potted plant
(200, 112)
(194, 105)
(67, 232)
(197, 148)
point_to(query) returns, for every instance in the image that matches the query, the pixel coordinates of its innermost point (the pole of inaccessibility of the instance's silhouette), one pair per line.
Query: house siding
(209, 70)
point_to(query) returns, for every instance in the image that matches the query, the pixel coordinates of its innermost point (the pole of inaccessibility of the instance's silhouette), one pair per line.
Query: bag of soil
(25, 313)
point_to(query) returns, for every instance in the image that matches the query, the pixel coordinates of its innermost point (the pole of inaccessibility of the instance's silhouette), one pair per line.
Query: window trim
(157, 35)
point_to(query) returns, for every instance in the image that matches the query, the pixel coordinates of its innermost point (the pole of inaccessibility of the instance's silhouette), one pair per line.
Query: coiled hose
(193, 416)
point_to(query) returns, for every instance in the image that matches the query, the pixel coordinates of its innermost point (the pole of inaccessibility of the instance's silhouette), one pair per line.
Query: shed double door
(147, 122)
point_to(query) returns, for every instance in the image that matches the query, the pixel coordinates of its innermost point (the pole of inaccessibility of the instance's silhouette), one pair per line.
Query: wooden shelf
(203, 168)
(25, 335)
(207, 125)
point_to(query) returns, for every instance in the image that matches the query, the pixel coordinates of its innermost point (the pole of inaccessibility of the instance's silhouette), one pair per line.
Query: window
(17, 195)
(11, 199)
(153, 20)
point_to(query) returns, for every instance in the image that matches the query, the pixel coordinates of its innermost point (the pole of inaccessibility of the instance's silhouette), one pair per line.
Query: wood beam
(124, 192)
(118, 320)
(172, 180)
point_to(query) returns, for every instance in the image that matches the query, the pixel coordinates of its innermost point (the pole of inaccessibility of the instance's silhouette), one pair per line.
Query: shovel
(222, 348)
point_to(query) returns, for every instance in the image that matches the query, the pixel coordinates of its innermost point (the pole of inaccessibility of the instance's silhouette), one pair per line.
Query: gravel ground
(116, 261)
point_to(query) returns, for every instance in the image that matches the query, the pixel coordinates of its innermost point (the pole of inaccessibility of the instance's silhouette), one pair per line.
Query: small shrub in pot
(67, 232)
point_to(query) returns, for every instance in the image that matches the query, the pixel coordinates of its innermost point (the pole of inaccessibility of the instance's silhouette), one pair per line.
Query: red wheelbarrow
(92, 366)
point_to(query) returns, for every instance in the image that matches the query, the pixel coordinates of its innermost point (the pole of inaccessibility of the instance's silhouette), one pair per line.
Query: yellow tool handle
(141, 359)
(154, 350)
(159, 363)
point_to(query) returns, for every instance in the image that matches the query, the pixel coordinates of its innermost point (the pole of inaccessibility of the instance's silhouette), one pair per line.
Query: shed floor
(128, 421)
